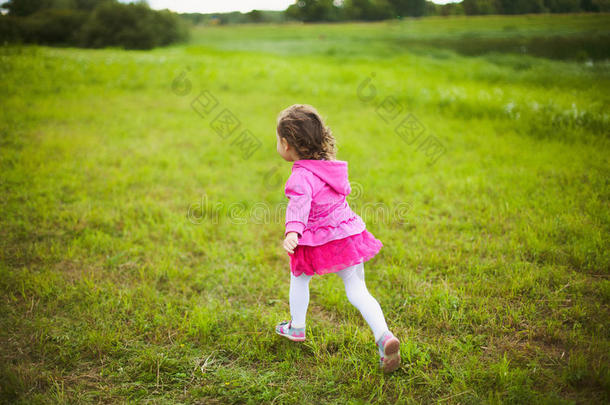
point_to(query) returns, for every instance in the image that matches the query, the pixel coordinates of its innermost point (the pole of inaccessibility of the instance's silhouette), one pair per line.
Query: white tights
(357, 294)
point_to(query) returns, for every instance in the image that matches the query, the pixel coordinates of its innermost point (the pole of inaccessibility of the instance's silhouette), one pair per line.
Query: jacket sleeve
(299, 191)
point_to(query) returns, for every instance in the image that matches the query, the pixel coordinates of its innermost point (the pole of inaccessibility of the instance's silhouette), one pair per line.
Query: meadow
(141, 256)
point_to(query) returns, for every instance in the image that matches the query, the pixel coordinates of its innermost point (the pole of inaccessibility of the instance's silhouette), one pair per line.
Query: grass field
(141, 255)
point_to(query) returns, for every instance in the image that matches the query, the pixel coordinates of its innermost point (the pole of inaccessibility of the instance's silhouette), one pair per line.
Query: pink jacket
(317, 209)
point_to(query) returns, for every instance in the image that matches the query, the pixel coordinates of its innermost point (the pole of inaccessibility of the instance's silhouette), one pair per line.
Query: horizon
(228, 6)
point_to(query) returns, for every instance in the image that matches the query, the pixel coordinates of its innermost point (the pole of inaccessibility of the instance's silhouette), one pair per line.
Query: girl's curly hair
(303, 128)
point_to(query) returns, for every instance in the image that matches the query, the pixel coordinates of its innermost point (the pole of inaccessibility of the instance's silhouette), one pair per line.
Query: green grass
(496, 278)
(566, 36)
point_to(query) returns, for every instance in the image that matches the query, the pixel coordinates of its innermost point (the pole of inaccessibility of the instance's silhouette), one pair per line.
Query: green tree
(53, 26)
(255, 16)
(88, 5)
(601, 5)
(412, 8)
(562, 6)
(451, 9)
(132, 26)
(521, 6)
(476, 7)
(314, 10)
(22, 8)
(431, 8)
(368, 10)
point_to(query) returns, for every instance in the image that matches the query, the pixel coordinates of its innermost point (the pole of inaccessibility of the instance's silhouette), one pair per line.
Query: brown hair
(303, 128)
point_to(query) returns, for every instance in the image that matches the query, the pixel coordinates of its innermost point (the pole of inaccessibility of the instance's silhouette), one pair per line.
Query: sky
(216, 6)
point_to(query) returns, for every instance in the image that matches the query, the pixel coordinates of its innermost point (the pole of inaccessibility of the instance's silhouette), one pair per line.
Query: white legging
(357, 294)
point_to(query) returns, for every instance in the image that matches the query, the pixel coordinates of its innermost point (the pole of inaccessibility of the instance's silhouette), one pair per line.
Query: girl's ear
(285, 144)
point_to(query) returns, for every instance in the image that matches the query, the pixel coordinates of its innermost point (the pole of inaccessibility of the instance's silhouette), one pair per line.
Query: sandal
(389, 352)
(285, 329)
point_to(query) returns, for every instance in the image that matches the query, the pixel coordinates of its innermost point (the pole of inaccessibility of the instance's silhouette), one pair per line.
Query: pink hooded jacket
(317, 210)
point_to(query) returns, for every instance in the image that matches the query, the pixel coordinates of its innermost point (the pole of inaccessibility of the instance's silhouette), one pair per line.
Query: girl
(323, 235)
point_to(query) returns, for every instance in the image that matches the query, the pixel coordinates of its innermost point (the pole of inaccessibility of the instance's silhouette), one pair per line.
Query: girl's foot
(389, 352)
(285, 329)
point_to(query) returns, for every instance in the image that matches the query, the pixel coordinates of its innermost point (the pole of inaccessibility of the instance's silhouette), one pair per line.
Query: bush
(170, 27)
(11, 29)
(53, 26)
(131, 26)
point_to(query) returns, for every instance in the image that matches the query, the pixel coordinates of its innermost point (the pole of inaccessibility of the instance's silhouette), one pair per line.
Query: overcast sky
(207, 6)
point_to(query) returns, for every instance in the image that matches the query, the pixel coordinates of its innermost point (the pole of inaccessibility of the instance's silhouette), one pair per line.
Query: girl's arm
(299, 191)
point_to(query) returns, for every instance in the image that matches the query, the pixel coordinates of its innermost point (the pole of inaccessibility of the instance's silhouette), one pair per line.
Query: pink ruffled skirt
(334, 255)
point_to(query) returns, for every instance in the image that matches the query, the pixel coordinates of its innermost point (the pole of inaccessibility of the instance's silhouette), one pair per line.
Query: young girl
(323, 235)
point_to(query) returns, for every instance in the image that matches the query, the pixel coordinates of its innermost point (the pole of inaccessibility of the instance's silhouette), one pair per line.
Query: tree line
(372, 10)
(90, 23)
(334, 10)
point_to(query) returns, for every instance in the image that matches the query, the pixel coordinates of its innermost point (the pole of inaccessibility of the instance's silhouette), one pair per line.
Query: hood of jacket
(332, 172)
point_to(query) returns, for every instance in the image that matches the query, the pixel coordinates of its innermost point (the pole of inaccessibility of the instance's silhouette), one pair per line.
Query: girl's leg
(359, 296)
(299, 299)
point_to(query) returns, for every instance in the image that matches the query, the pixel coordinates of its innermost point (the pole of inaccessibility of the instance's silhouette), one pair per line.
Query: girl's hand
(291, 242)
